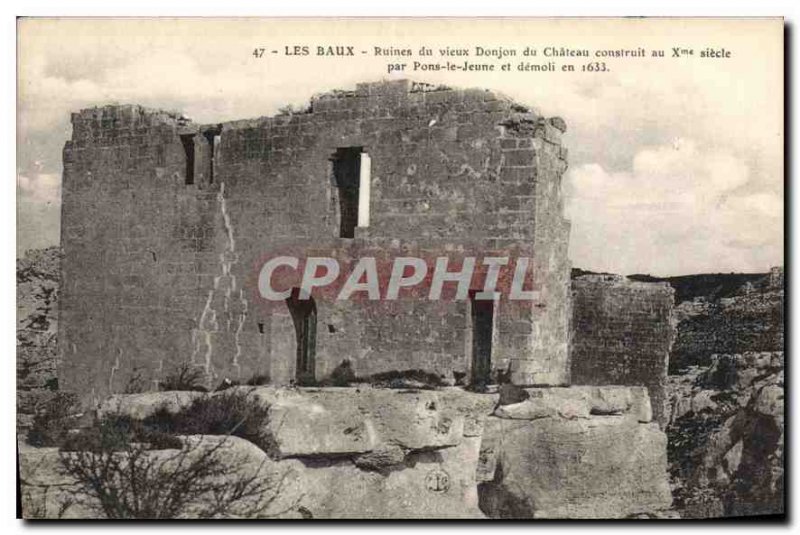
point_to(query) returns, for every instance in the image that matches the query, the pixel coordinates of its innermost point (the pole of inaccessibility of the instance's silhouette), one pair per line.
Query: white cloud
(42, 188)
(674, 168)
(681, 208)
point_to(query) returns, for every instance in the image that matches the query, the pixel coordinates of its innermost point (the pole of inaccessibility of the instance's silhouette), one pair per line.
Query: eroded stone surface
(140, 406)
(330, 421)
(432, 484)
(726, 434)
(579, 402)
(596, 467)
(426, 484)
(586, 454)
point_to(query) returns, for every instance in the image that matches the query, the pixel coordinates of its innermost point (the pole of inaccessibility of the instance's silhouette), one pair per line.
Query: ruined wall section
(161, 270)
(448, 175)
(622, 334)
(139, 244)
(548, 361)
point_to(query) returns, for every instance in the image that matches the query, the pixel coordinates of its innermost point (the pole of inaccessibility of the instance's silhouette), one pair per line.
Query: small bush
(255, 380)
(258, 380)
(406, 379)
(136, 382)
(234, 413)
(51, 384)
(52, 420)
(342, 375)
(117, 433)
(187, 378)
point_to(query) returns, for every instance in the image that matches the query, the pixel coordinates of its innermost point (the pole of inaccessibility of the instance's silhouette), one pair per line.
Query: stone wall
(622, 334)
(165, 223)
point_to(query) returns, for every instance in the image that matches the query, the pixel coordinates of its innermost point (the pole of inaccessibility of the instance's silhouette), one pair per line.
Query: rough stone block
(597, 467)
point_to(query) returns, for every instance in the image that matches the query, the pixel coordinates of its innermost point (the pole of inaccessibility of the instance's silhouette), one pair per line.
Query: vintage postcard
(432, 268)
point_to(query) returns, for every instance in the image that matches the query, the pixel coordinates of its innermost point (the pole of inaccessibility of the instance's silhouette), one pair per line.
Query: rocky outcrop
(379, 453)
(579, 452)
(751, 321)
(37, 324)
(345, 452)
(726, 431)
(726, 436)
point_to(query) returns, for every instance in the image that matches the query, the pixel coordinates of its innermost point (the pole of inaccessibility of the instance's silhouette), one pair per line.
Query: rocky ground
(37, 326)
(580, 452)
(366, 452)
(726, 390)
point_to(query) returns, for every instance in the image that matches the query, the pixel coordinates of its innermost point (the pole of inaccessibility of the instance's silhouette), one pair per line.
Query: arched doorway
(304, 317)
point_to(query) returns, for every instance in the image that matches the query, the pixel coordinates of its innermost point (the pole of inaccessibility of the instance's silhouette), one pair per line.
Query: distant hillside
(712, 286)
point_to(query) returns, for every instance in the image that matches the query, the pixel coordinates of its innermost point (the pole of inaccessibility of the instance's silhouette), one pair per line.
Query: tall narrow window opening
(351, 170)
(212, 135)
(188, 148)
(482, 312)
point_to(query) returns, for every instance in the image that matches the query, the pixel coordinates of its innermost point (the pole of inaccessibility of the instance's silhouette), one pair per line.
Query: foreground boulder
(580, 452)
(333, 421)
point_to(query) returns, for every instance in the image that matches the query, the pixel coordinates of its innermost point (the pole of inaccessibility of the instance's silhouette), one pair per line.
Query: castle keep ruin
(165, 223)
(167, 227)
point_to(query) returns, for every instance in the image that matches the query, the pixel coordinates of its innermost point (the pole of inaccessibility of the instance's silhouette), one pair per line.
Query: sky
(675, 165)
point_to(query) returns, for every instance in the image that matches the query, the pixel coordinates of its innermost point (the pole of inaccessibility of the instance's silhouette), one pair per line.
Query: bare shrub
(136, 382)
(199, 480)
(414, 378)
(185, 377)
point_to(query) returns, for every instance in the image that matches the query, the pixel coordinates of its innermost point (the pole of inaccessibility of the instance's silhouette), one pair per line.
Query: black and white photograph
(400, 268)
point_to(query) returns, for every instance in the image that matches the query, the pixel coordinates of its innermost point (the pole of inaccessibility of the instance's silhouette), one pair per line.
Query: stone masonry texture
(622, 335)
(164, 223)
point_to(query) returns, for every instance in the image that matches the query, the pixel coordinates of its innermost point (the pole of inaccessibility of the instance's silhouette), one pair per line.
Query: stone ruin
(164, 223)
(163, 226)
(623, 333)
